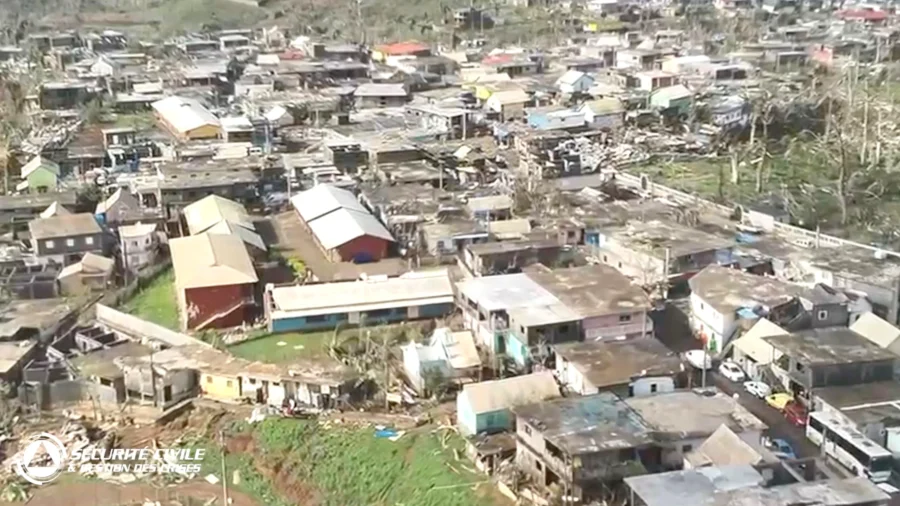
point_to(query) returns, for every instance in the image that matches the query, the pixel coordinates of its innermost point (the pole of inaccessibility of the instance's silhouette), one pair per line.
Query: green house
(39, 175)
(676, 98)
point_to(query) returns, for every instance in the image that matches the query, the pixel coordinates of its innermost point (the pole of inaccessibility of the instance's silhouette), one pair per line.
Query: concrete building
(415, 295)
(581, 442)
(139, 245)
(64, 239)
(94, 273)
(629, 368)
(834, 356)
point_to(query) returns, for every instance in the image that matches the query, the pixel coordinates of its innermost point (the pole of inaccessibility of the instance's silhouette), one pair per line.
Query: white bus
(851, 448)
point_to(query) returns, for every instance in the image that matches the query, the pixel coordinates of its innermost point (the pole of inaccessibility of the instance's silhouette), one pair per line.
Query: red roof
(497, 58)
(863, 14)
(403, 48)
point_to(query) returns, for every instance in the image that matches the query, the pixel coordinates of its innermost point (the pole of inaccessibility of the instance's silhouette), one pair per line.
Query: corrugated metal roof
(323, 199)
(489, 396)
(876, 330)
(184, 114)
(326, 298)
(753, 345)
(38, 162)
(209, 211)
(342, 226)
(226, 227)
(65, 225)
(211, 260)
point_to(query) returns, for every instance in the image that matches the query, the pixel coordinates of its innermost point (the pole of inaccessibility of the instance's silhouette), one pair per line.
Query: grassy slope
(156, 302)
(351, 466)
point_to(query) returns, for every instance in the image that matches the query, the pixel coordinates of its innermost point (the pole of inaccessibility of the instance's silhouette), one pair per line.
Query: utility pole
(387, 370)
(703, 368)
(224, 471)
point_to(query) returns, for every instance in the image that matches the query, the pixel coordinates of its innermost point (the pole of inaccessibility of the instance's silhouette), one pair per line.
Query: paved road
(779, 427)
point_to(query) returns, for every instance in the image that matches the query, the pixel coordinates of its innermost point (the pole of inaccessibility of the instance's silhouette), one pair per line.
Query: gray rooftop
(728, 289)
(611, 363)
(694, 413)
(591, 290)
(827, 346)
(64, 225)
(587, 424)
(692, 487)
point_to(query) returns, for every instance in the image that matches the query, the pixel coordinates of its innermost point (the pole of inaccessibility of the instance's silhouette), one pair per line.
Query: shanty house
(187, 119)
(448, 356)
(39, 175)
(139, 244)
(751, 351)
(508, 104)
(672, 98)
(215, 280)
(604, 113)
(343, 228)
(92, 273)
(485, 407)
(64, 239)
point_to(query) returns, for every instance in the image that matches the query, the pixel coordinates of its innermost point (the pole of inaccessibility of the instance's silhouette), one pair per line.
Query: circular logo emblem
(42, 460)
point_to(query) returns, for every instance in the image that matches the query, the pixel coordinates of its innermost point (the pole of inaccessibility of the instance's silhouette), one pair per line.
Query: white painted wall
(717, 326)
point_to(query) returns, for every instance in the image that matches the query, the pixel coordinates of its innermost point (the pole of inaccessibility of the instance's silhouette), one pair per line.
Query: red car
(796, 413)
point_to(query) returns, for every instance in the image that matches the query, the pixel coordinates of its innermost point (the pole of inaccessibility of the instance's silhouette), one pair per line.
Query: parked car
(779, 400)
(796, 413)
(698, 359)
(757, 389)
(781, 449)
(732, 371)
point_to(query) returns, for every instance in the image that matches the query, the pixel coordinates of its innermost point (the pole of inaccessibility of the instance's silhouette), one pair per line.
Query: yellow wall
(224, 388)
(378, 56)
(204, 132)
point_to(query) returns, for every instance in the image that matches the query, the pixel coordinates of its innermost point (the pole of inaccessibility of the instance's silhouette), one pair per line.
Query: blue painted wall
(300, 323)
(471, 423)
(392, 315)
(517, 350)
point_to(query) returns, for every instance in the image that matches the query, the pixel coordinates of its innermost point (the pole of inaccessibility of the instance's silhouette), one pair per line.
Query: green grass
(298, 345)
(156, 302)
(350, 466)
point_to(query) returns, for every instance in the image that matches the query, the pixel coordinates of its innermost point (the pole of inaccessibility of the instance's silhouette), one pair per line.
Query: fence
(643, 182)
(143, 279)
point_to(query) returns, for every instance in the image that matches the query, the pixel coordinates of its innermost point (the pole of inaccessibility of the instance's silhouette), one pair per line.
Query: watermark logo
(32, 466)
(45, 458)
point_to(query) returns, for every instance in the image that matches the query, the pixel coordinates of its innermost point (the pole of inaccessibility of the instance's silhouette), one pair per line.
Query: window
(89, 241)
(316, 318)
(209, 379)
(252, 381)
(702, 306)
(605, 259)
(49, 244)
(687, 448)
(823, 315)
(624, 318)
(134, 244)
(229, 384)
(528, 430)
(653, 388)
(563, 329)
(70, 242)
(620, 265)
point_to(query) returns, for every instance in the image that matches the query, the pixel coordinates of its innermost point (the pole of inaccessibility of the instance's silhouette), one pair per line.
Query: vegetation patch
(283, 348)
(347, 465)
(156, 302)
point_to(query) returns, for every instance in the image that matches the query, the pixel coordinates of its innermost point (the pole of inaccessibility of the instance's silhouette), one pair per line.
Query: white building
(139, 244)
(574, 81)
(721, 296)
